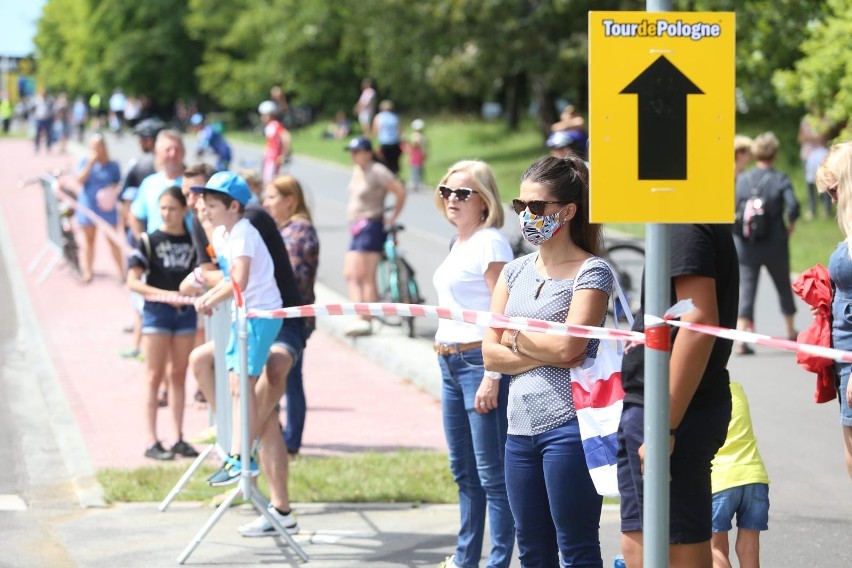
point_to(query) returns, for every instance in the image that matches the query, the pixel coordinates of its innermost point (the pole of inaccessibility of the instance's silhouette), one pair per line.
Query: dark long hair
(568, 181)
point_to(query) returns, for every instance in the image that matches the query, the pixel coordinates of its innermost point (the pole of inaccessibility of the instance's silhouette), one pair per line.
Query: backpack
(146, 246)
(752, 221)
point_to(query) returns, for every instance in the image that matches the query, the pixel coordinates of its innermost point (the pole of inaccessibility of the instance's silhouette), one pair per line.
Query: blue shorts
(368, 236)
(700, 435)
(291, 337)
(261, 335)
(163, 319)
(749, 502)
(842, 370)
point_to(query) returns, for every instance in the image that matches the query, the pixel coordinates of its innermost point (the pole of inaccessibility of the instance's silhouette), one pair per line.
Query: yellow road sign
(661, 117)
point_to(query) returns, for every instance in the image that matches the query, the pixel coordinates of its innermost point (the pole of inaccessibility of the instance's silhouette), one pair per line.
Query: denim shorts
(369, 237)
(163, 319)
(749, 502)
(261, 334)
(291, 337)
(842, 370)
(700, 435)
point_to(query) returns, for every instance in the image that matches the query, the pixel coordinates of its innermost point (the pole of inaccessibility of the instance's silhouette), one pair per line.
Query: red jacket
(814, 287)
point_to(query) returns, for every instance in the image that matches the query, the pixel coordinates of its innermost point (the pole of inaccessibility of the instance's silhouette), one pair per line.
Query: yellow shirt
(738, 461)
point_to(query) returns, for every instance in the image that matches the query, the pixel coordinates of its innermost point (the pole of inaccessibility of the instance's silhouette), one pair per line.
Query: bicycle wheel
(408, 291)
(628, 262)
(387, 281)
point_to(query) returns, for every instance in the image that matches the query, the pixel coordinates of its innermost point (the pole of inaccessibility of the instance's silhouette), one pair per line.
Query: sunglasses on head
(462, 193)
(535, 207)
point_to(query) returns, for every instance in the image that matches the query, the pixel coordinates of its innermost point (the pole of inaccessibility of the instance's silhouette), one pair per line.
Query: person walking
(277, 149)
(834, 178)
(417, 149)
(158, 265)
(777, 200)
(473, 400)
(368, 187)
(285, 202)
(553, 500)
(99, 177)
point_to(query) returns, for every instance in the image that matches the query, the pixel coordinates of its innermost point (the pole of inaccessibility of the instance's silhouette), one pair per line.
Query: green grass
(393, 477)
(452, 138)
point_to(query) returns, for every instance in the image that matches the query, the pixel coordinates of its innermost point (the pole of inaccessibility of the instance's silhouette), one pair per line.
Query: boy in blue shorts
(243, 257)
(740, 487)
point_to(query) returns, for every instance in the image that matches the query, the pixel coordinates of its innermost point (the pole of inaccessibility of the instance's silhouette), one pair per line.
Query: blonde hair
(765, 147)
(742, 143)
(484, 184)
(288, 185)
(837, 168)
(253, 179)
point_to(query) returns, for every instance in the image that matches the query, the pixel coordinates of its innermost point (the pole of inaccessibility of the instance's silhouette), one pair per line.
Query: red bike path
(353, 403)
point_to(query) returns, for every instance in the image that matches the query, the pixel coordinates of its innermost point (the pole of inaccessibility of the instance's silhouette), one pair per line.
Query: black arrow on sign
(662, 91)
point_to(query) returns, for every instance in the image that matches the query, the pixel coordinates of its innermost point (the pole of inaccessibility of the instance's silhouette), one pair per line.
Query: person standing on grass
(365, 108)
(256, 260)
(277, 140)
(386, 129)
(158, 265)
(285, 202)
(473, 400)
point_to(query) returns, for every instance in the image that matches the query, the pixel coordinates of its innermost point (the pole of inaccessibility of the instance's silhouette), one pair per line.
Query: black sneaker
(181, 448)
(158, 452)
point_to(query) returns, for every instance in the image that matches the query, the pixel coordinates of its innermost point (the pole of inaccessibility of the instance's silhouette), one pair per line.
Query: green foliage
(822, 79)
(393, 477)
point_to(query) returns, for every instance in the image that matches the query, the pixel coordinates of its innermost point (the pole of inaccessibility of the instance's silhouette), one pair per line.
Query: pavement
(69, 407)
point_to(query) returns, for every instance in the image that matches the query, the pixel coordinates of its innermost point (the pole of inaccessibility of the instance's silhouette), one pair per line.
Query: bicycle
(395, 279)
(60, 230)
(627, 258)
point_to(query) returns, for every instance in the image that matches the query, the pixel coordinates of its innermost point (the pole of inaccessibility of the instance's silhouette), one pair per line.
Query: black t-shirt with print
(265, 225)
(172, 257)
(696, 250)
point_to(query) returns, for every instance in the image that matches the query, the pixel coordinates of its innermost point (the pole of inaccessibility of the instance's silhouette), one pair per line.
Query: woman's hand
(202, 304)
(486, 395)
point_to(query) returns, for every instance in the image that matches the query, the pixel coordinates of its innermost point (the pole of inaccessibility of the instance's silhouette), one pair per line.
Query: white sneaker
(262, 527)
(359, 328)
(449, 562)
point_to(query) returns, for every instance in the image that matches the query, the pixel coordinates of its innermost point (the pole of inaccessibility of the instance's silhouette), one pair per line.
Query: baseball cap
(359, 143)
(560, 139)
(196, 119)
(149, 127)
(417, 124)
(228, 183)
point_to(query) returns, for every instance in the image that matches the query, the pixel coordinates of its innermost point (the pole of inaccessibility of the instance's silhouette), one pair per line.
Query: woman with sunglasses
(834, 178)
(553, 500)
(368, 188)
(473, 400)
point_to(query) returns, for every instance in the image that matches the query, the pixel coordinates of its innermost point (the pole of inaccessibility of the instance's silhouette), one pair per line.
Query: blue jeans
(553, 499)
(297, 408)
(476, 444)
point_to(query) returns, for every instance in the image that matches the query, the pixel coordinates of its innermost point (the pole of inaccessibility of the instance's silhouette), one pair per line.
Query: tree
(66, 61)
(822, 79)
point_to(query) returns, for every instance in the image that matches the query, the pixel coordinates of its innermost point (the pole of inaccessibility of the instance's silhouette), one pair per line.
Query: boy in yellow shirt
(740, 487)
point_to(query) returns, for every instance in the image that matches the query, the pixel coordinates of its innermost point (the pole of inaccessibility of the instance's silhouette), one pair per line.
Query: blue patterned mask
(538, 229)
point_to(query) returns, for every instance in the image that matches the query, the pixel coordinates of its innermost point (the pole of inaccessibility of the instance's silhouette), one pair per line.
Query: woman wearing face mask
(473, 400)
(554, 503)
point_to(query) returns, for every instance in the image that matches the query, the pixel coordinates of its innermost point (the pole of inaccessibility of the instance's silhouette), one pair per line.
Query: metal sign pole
(655, 512)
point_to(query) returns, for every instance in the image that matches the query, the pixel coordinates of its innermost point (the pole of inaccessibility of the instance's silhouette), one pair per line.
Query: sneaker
(449, 562)
(359, 328)
(262, 527)
(158, 452)
(230, 472)
(181, 448)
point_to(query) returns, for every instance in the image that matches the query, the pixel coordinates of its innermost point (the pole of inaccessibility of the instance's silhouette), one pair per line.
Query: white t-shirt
(261, 293)
(460, 282)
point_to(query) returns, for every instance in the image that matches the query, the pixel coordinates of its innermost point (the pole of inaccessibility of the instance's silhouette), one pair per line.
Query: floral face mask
(538, 229)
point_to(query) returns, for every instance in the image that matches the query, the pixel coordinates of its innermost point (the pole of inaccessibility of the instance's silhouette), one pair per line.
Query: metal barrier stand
(248, 490)
(54, 231)
(217, 328)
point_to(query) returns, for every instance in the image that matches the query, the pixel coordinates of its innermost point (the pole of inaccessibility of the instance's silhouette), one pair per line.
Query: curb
(65, 431)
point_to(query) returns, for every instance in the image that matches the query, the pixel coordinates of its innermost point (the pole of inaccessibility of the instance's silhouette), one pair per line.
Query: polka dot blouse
(540, 399)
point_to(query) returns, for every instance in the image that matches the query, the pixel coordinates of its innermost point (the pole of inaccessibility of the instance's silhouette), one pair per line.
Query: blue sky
(18, 26)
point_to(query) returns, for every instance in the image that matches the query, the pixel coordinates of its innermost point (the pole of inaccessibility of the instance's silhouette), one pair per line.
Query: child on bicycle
(161, 260)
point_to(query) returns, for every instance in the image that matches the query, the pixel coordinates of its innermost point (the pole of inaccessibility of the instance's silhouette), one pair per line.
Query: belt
(445, 349)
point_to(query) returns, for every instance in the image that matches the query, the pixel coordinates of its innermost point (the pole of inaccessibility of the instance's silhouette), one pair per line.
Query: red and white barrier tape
(171, 299)
(501, 321)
